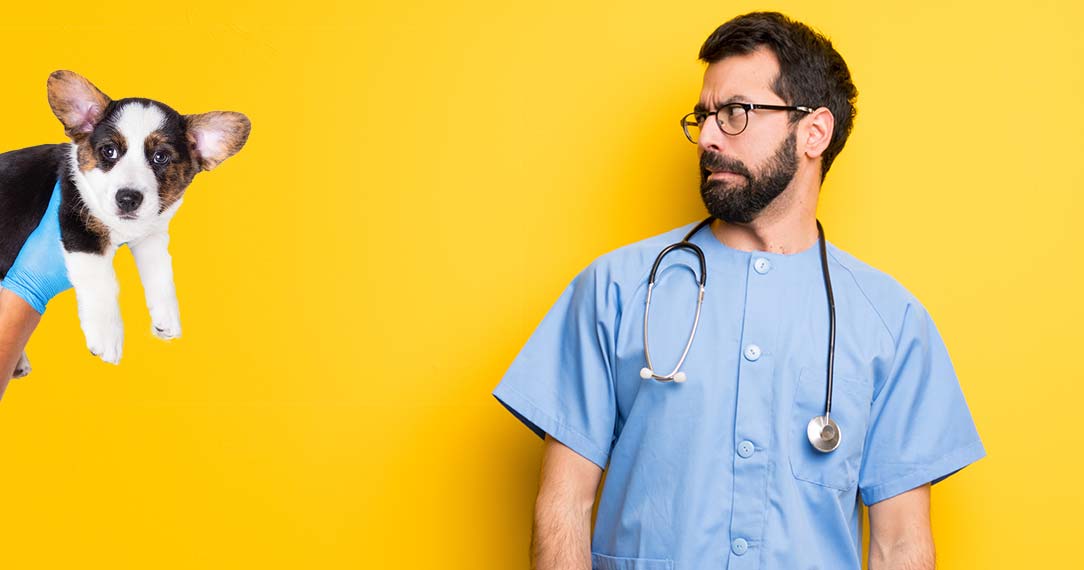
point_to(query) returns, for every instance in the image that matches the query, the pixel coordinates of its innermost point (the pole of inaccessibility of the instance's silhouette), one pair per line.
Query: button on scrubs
(717, 472)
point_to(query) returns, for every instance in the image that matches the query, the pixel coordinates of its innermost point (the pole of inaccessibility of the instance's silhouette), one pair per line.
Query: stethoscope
(822, 431)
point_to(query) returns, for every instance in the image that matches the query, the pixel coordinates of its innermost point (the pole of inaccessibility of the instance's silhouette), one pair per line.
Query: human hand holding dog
(37, 275)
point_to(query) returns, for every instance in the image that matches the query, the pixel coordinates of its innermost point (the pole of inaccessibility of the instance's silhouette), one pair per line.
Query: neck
(787, 226)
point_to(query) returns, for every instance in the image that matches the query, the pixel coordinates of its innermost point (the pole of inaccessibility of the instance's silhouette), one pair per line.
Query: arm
(36, 276)
(561, 537)
(900, 536)
(17, 320)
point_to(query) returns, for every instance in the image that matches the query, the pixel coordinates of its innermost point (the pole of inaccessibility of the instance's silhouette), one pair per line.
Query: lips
(715, 165)
(708, 173)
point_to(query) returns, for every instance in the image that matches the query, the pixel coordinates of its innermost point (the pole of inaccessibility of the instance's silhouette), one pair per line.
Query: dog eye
(108, 152)
(160, 157)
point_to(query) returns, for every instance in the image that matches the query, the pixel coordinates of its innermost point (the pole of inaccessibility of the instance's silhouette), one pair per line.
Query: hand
(38, 273)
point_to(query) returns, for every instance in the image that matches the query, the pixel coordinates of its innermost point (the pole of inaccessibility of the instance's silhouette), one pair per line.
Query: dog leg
(156, 272)
(96, 290)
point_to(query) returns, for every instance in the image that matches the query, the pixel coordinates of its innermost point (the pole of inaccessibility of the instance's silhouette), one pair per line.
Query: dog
(122, 178)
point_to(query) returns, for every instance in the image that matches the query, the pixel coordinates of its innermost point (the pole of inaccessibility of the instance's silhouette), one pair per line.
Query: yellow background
(422, 181)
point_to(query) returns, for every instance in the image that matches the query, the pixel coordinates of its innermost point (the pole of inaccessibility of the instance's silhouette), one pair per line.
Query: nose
(711, 136)
(128, 200)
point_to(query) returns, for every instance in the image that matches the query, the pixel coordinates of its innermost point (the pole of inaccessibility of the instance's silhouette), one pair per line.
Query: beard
(737, 202)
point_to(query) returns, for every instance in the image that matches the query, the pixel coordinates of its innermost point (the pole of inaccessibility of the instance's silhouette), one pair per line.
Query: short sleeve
(561, 383)
(921, 430)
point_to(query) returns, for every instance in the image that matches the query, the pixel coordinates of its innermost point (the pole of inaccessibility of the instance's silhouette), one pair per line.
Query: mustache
(714, 162)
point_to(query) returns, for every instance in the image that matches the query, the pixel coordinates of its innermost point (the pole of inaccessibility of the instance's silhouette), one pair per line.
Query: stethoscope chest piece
(823, 433)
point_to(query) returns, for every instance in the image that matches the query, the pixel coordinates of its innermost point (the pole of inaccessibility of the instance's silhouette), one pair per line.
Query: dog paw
(166, 325)
(105, 342)
(22, 368)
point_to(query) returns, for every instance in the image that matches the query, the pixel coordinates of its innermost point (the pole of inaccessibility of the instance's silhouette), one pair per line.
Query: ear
(76, 102)
(216, 136)
(817, 132)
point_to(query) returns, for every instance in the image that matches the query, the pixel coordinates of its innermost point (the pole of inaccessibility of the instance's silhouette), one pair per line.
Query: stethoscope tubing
(831, 323)
(822, 431)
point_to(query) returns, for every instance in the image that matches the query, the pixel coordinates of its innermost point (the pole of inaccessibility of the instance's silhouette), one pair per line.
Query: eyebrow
(702, 108)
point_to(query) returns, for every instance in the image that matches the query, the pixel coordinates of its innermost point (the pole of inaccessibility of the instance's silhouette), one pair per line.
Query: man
(717, 471)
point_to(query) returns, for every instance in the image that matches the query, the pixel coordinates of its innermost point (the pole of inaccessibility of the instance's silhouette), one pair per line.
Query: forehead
(741, 78)
(136, 120)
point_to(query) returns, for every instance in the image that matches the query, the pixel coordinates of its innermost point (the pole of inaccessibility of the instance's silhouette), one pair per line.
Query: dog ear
(216, 136)
(76, 102)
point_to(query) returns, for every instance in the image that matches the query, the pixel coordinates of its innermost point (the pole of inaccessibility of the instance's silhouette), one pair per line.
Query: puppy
(122, 178)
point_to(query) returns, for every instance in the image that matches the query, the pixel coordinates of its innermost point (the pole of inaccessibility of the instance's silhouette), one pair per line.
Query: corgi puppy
(122, 178)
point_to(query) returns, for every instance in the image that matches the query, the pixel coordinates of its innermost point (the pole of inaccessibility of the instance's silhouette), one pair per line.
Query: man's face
(740, 175)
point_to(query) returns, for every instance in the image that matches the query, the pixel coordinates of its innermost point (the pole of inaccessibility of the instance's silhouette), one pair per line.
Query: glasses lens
(732, 119)
(691, 127)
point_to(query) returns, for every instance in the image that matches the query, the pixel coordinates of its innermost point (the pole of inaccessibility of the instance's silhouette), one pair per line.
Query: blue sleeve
(561, 383)
(921, 430)
(38, 273)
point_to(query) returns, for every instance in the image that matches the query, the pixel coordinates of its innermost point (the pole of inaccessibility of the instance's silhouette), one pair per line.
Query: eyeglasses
(732, 118)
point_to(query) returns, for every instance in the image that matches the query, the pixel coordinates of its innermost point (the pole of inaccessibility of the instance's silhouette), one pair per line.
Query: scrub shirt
(717, 472)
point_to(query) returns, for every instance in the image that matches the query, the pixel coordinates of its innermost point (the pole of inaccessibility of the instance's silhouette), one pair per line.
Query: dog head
(133, 158)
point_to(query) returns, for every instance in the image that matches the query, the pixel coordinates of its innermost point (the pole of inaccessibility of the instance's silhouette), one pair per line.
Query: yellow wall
(421, 183)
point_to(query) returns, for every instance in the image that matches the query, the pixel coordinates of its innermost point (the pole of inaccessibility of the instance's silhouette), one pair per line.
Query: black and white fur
(122, 178)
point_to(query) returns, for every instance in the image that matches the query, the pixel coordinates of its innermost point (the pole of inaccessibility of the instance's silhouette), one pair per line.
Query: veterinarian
(745, 432)
(37, 276)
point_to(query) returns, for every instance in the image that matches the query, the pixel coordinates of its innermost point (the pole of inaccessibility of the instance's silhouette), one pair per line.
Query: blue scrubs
(717, 472)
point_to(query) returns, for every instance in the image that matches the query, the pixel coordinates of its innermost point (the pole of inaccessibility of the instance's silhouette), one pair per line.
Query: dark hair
(811, 71)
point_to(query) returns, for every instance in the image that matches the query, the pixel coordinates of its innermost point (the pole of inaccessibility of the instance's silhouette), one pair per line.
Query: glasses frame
(685, 120)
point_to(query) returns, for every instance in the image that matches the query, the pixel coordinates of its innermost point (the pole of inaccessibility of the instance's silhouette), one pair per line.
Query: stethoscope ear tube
(675, 375)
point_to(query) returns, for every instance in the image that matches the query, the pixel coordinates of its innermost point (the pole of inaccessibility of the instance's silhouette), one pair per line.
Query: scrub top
(717, 472)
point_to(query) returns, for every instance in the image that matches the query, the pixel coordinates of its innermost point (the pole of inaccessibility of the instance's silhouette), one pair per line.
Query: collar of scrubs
(724, 255)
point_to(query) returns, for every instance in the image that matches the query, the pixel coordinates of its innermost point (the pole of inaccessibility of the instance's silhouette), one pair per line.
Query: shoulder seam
(862, 290)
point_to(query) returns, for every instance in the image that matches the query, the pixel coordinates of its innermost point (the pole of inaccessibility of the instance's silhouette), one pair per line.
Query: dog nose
(128, 200)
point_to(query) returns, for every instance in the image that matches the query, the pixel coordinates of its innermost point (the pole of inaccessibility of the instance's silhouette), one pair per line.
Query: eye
(108, 151)
(700, 117)
(161, 157)
(734, 111)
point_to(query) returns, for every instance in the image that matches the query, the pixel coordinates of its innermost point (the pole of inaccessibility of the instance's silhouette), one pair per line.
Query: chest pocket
(851, 399)
(603, 562)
